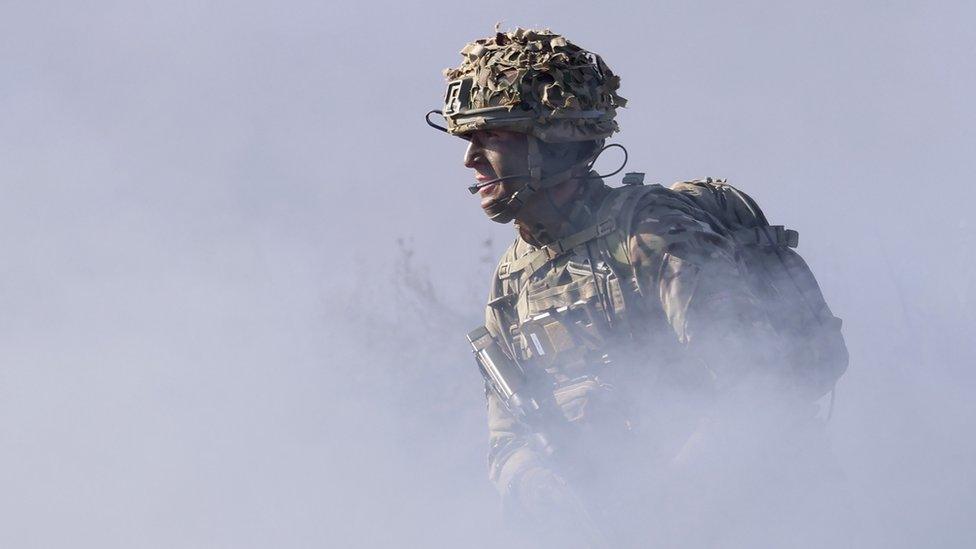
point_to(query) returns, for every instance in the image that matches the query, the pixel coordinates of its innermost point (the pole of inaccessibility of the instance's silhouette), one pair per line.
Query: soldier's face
(497, 153)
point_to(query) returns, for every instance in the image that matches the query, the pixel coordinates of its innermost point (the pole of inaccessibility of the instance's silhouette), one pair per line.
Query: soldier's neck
(552, 215)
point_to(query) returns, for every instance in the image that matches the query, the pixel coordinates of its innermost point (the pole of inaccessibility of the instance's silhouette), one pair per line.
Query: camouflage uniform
(643, 311)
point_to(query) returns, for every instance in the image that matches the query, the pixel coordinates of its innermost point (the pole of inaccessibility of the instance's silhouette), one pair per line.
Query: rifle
(529, 398)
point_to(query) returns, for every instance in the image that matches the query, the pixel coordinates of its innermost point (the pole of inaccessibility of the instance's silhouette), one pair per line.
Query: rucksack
(780, 279)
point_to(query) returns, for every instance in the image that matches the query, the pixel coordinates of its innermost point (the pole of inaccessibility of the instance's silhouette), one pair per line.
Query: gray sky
(202, 341)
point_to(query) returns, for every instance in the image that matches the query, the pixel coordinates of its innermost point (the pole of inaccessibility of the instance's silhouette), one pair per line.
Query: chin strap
(536, 184)
(535, 158)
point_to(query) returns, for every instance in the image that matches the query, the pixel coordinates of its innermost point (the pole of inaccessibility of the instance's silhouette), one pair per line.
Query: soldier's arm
(535, 495)
(510, 455)
(512, 458)
(526, 478)
(691, 274)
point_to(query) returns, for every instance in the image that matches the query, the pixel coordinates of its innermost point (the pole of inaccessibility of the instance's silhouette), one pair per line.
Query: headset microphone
(473, 189)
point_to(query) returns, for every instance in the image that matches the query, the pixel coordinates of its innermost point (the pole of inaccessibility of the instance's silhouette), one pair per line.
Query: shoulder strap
(500, 297)
(622, 208)
(535, 260)
(615, 251)
(606, 224)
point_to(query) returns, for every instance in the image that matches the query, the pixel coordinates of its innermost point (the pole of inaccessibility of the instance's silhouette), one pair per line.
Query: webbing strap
(624, 208)
(536, 259)
(607, 215)
(534, 158)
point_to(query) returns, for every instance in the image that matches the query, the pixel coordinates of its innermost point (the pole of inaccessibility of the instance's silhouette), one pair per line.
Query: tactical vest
(574, 306)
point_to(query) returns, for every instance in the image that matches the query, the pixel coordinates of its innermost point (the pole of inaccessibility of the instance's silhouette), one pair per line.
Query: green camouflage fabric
(535, 82)
(697, 326)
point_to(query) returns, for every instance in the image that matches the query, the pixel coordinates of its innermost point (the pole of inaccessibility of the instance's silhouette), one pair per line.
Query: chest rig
(566, 307)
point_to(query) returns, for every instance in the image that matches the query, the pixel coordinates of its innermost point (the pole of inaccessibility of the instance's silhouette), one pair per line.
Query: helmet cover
(534, 82)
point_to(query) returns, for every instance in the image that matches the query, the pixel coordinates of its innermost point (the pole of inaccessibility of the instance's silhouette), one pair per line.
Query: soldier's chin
(499, 212)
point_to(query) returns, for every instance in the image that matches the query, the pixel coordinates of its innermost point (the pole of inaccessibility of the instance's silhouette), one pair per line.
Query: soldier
(650, 314)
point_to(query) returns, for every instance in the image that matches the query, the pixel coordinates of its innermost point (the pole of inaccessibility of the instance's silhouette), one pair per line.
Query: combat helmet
(535, 82)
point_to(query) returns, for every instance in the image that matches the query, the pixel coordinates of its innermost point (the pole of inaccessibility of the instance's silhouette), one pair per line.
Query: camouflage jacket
(682, 321)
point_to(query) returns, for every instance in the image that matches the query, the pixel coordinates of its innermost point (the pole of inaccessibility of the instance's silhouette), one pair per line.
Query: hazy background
(210, 336)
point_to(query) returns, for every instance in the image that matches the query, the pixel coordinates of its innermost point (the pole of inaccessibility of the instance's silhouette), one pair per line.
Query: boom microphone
(475, 188)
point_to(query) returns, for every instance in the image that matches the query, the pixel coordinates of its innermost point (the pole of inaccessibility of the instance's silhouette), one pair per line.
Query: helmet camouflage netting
(532, 81)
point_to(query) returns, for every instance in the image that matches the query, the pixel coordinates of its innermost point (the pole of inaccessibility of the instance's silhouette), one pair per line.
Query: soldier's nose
(472, 155)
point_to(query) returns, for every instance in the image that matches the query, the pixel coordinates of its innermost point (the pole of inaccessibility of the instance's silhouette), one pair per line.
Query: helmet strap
(536, 184)
(534, 158)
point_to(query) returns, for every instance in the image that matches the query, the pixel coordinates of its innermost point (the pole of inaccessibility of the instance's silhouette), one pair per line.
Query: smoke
(211, 337)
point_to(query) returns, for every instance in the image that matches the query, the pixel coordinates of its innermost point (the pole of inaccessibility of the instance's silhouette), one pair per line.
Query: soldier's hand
(555, 509)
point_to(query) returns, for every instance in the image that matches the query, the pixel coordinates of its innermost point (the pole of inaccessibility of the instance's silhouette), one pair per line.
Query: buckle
(606, 227)
(457, 96)
(554, 250)
(633, 178)
(792, 238)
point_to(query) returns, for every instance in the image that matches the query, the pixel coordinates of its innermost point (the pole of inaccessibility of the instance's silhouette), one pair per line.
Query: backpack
(778, 276)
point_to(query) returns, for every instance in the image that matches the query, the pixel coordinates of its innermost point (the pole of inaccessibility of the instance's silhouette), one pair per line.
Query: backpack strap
(614, 248)
(535, 260)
